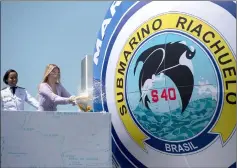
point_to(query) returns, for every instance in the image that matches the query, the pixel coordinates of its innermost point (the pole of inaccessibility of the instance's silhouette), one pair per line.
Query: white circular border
(214, 154)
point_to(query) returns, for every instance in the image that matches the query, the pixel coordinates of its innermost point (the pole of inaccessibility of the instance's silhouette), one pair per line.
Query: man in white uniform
(13, 97)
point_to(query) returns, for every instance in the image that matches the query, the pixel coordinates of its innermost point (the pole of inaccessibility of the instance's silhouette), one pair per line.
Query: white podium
(55, 139)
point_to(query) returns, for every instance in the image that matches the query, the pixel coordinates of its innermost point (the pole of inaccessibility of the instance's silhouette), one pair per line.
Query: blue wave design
(174, 125)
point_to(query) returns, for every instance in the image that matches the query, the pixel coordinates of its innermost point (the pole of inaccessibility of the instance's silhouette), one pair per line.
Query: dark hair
(5, 77)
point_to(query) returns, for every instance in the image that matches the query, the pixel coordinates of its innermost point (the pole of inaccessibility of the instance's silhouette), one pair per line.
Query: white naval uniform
(10, 102)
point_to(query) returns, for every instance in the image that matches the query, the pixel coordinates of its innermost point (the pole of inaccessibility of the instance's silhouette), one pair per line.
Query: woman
(13, 96)
(51, 92)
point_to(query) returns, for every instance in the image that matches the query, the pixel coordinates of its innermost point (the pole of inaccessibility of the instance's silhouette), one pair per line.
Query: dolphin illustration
(174, 61)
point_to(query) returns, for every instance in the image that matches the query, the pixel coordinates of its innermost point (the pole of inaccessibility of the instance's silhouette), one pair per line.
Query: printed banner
(55, 139)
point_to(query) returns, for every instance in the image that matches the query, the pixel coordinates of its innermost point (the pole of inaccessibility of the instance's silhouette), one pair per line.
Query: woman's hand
(72, 100)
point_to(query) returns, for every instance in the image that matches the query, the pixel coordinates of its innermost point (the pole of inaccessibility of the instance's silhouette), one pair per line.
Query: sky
(34, 34)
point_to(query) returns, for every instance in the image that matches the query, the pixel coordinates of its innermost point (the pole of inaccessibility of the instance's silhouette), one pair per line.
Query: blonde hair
(49, 68)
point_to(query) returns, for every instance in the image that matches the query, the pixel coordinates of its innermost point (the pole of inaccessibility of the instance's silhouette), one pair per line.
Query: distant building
(87, 75)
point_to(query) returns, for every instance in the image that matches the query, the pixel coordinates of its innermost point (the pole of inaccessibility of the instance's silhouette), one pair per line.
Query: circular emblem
(171, 101)
(169, 80)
